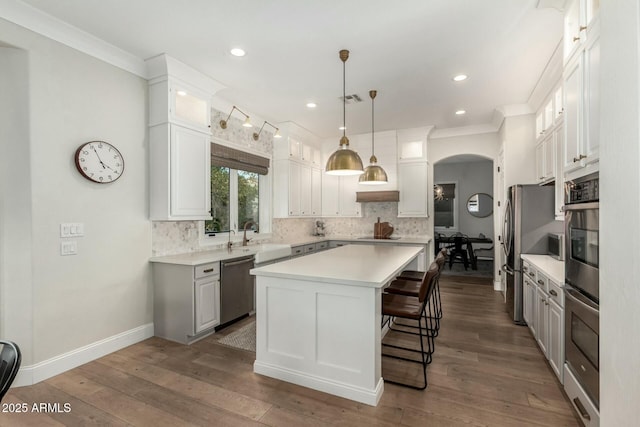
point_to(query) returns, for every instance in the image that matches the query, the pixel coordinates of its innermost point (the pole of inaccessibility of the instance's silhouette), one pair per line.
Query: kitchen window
(445, 207)
(235, 200)
(240, 192)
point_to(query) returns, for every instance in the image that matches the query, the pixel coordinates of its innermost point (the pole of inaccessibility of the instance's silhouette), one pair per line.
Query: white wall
(619, 213)
(472, 178)
(105, 290)
(16, 313)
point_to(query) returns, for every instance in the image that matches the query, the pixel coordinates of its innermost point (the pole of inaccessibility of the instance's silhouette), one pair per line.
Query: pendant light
(344, 161)
(373, 174)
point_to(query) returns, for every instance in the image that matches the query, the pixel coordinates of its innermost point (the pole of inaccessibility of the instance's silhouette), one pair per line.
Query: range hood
(377, 196)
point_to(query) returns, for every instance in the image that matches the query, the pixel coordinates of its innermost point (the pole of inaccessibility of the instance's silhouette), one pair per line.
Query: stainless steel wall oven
(582, 283)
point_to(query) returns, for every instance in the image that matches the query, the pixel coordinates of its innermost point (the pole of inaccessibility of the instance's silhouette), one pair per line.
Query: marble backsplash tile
(297, 228)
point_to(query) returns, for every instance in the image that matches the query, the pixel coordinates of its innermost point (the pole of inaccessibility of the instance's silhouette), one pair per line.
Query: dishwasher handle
(237, 262)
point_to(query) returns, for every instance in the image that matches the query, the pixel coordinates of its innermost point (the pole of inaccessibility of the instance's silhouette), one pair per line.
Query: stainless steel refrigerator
(529, 216)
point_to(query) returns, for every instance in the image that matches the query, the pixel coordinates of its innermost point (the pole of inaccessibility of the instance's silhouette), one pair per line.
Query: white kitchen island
(318, 318)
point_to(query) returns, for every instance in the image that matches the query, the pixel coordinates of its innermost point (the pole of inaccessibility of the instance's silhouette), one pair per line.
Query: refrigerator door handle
(508, 270)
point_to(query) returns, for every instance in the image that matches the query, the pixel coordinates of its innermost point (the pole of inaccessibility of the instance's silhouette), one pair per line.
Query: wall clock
(99, 161)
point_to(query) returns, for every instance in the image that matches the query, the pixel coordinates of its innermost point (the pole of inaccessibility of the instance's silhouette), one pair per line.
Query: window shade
(235, 159)
(448, 191)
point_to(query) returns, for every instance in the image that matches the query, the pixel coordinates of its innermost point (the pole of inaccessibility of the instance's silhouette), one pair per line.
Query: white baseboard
(497, 285)
(359, 394)
(33, 374)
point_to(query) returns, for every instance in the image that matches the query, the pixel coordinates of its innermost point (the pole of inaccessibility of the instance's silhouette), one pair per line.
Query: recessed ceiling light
(461, 112)
(342, 128)
(311, 105)
(236, 51)
(460, 77)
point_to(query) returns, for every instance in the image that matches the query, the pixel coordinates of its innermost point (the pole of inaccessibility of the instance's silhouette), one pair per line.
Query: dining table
(443, 240)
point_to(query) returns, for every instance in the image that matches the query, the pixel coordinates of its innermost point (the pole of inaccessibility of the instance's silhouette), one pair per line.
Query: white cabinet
(528, 300)
(414, 189)
(207, 301)
(179, 143)
(295, 186)
(546, 158)
(543, 310)
(412, 144)
(316, 191)
(305, 190)
(180, 174)
(347, 194)
(556, 338)
(582, 105)
(186, 301)
(297, 189)
(542, 319)
(339, 196)
(579, 21)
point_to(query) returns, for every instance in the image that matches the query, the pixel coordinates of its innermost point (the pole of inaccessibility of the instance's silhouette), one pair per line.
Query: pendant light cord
(373, 146)
(344, 98)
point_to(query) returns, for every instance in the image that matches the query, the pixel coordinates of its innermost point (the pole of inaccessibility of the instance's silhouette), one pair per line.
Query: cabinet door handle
(576, 38)
(583, 27)
(540, 282)
(577, 159)
(580, 407)
(554, 293)
(208, 270)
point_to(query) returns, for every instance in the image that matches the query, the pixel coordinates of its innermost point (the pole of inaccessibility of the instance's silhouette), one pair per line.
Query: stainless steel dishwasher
(236, 288)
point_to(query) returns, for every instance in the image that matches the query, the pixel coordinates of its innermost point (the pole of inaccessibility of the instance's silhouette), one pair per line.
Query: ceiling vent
(351, 99)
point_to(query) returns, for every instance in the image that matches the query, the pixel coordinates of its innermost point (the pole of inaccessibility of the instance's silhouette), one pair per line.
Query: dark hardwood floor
(485, 371)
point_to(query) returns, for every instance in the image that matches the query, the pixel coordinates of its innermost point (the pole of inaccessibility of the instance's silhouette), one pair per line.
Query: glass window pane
(443, 206)
(219, 201)
(248, 198)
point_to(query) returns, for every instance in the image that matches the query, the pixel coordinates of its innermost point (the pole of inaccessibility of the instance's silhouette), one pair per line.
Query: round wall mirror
(480, 205)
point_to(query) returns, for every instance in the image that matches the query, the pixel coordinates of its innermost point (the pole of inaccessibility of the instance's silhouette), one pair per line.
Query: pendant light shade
(373, 174)
(344, 161)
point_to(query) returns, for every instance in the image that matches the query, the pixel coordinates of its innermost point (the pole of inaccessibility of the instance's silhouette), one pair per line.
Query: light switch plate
(72, 229)
(68, 247)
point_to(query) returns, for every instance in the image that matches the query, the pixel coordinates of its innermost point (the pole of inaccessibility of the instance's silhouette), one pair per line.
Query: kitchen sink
(270, 251)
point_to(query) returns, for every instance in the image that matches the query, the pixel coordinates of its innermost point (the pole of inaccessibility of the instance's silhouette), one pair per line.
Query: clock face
(99, 161)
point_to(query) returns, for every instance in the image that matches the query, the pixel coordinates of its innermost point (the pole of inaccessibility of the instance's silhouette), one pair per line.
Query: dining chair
(10, 358)
(459, 252)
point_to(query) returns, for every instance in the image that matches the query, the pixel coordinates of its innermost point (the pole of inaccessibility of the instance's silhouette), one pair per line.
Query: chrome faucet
(244, 237)
(230, 243)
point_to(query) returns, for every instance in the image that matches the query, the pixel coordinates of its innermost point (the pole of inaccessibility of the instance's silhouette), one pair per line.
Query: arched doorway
(464, 207)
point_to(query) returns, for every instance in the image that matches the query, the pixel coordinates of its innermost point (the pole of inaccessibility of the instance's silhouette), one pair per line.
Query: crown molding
(48, 26)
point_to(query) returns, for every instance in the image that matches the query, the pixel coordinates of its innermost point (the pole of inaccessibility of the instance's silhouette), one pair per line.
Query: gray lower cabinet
(186, 301)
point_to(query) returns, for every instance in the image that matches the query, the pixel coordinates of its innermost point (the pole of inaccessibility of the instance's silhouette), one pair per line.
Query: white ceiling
(407, 49)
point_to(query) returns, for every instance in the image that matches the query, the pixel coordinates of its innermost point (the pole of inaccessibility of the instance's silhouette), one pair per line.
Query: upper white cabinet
(296, 173)
(414, 189)
(579, 20)
(413, 171)
(582, 106)
(339, 196)
(545, 159)
(298, 189)
(179, 140)
(412, 144)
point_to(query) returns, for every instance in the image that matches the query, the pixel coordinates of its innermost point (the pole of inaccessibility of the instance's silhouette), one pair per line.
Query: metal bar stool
(408, 307)
(416, 276)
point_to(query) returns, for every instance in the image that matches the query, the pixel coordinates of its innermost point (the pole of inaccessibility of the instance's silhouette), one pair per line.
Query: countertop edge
(548, 265)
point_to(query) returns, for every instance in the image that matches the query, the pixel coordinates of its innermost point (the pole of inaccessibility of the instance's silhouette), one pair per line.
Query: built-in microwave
(555, 245)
